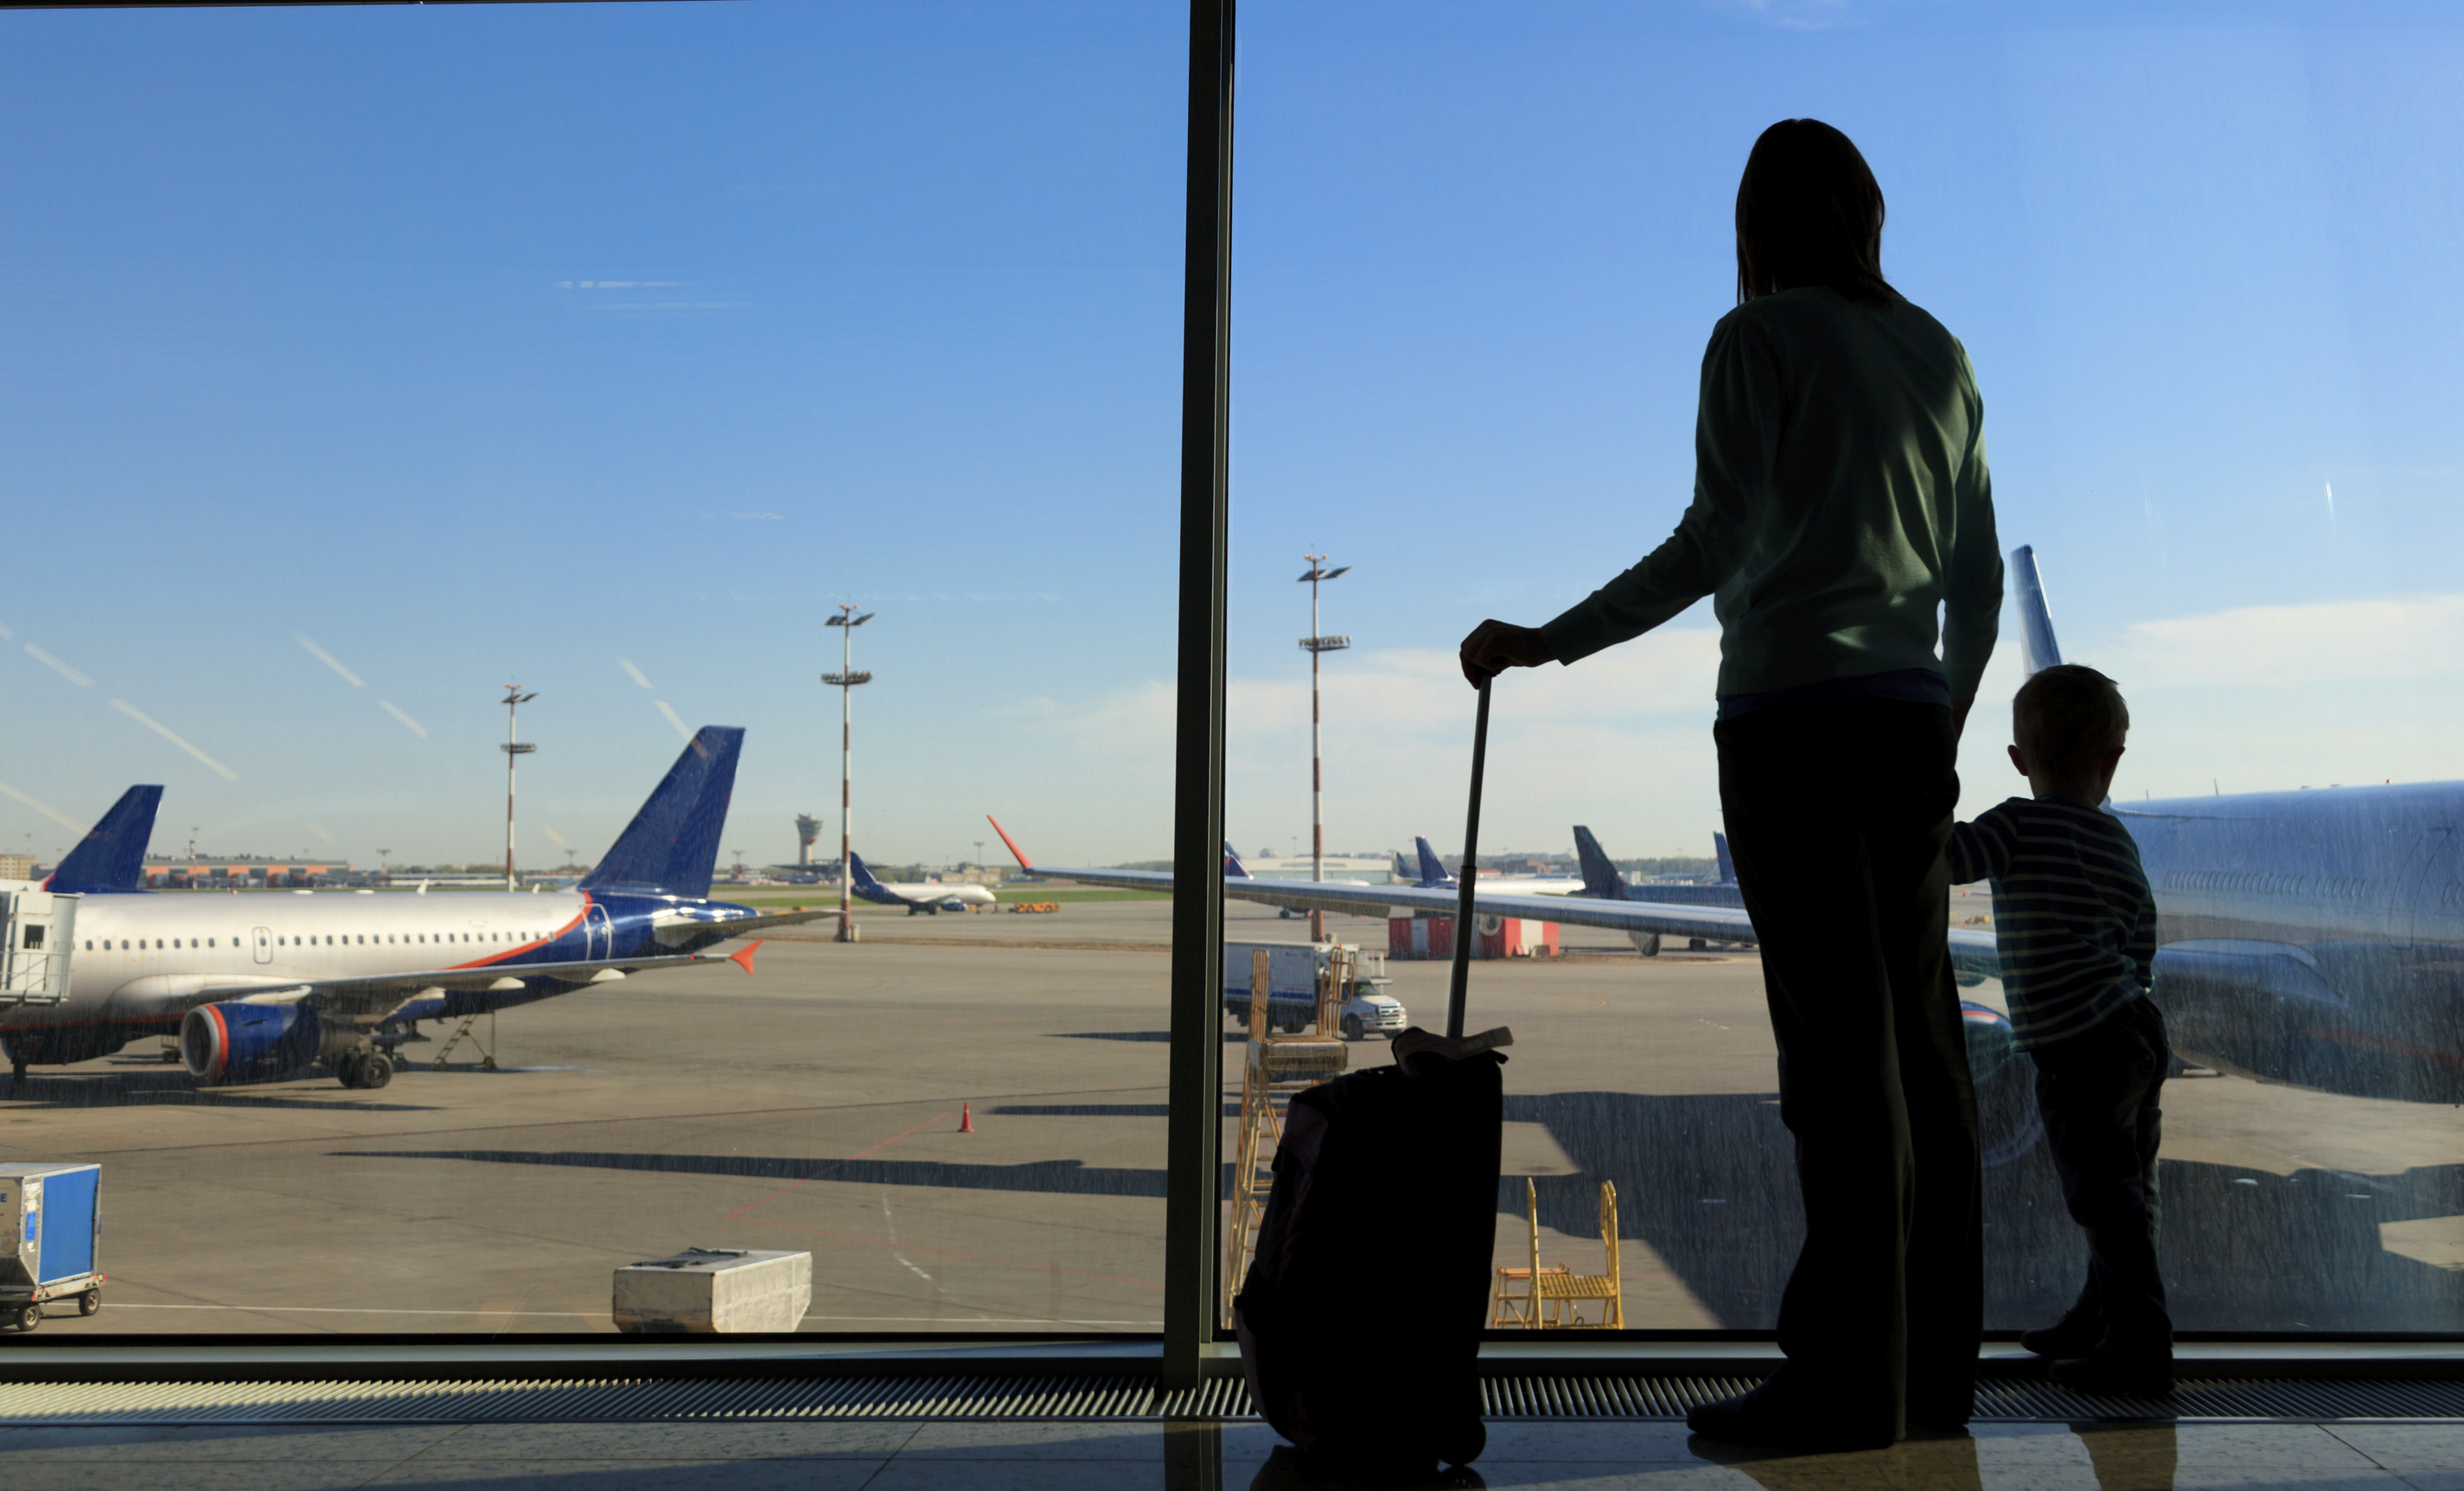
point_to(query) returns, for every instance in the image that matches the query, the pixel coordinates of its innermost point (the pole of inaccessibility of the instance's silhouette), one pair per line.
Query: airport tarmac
(817, 1104)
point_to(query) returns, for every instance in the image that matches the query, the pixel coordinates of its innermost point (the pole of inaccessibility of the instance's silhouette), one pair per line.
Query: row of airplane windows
(135, 943)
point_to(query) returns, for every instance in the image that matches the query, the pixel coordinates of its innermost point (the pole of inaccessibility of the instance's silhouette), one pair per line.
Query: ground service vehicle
(1294, 970)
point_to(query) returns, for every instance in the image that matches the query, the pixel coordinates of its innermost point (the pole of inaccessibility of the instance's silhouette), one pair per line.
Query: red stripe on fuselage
(515, 952)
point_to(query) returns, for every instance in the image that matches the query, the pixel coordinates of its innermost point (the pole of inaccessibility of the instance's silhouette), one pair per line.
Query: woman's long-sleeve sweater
(1841, 496)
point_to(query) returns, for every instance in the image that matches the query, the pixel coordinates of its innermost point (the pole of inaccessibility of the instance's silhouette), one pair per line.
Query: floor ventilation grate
(986, 1396)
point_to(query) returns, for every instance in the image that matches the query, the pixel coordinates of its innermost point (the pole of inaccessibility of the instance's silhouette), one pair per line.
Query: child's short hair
(2066, 716)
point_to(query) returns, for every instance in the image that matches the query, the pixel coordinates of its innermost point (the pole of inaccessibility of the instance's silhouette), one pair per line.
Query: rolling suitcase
(1360, 1319)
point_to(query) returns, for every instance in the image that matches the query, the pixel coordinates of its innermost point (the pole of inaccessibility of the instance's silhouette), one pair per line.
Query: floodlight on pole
(514, 750)
(846, 682)
(1316, 645)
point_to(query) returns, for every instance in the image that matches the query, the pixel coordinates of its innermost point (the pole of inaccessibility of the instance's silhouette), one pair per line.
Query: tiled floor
(1100, 1457)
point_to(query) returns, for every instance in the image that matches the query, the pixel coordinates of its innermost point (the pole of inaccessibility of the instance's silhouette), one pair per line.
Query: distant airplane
(260, 986)
(1432, 874)
(1600, 878)
(929, 897)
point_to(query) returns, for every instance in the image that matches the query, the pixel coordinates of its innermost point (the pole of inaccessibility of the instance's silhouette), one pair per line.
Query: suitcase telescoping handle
(1459, 990)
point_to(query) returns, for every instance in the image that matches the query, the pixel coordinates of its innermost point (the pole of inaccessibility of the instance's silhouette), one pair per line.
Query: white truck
(1294, 973)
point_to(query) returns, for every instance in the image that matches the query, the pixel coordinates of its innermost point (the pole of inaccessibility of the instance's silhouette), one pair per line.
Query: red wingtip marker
(742, 957)
(966, 1118)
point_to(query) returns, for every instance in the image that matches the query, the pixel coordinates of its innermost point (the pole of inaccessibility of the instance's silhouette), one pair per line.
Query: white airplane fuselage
(139, 959)
(964, 893)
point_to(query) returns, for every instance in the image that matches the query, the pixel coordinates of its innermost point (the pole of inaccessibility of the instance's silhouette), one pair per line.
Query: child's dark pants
(2099, 1093)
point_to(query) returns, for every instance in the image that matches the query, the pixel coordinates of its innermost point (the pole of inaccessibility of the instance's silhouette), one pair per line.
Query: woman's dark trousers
(1837, 815)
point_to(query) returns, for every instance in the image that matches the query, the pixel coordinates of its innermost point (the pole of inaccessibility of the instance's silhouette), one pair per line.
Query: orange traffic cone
(966, 1118)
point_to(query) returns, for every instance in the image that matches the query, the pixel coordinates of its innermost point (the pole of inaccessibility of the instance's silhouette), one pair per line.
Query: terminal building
(176, 872)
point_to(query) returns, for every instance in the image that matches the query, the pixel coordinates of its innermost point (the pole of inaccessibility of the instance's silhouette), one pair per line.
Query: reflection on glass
(362, 362)
(1473, 281)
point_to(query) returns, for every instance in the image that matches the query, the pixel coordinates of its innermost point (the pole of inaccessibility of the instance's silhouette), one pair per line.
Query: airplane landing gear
(363, 1069)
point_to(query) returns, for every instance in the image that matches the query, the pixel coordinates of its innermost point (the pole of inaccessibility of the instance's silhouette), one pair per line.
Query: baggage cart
(49, 1222)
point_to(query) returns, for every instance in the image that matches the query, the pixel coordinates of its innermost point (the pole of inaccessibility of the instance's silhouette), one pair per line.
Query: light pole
(514, 750)
(1316, 645)
(384, 870)
(845, 680)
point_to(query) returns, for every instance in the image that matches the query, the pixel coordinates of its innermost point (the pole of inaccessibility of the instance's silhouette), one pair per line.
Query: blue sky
(498, 343)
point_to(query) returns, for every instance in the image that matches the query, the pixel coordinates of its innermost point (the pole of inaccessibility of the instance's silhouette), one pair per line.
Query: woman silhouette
(1840, 501)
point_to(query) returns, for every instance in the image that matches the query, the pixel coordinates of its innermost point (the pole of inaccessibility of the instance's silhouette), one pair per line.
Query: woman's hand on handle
(1495, 646)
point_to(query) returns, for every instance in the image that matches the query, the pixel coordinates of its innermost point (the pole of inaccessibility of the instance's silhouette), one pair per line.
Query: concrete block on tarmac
(704, 1291)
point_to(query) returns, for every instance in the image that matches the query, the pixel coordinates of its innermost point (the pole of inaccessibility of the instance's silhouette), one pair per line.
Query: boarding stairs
(37, 932)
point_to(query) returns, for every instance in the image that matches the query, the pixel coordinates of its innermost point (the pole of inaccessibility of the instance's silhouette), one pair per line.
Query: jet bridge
(38, 934)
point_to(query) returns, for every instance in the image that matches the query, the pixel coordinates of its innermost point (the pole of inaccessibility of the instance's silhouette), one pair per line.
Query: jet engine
(255, 1042)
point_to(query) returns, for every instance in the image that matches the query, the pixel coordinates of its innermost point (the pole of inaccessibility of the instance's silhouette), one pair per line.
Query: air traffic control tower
(808, 829)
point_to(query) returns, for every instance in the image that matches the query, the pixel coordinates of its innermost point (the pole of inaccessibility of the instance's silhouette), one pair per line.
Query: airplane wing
(369, 1000)
(691, 929)
(1971, 951)
(1715, 923)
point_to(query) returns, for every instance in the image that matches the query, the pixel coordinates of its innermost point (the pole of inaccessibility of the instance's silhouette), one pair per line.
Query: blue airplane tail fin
(1402, 873)
(1720, 853)
(672, 845)
(1432, 870)
(861, 873)
(2038, 648)
(1232, 865)
(1600, 878)
(112, 854)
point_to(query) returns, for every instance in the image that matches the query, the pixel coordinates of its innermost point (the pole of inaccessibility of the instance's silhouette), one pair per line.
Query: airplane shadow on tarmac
(1056, 1177)
(157, 1085)
(1710, 1183)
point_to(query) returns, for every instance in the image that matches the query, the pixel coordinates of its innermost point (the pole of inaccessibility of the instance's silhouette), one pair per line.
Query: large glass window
(2203, 265)
(362, 362)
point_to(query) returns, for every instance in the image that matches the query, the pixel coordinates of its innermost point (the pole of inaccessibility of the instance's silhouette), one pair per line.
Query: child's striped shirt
(2073, 918)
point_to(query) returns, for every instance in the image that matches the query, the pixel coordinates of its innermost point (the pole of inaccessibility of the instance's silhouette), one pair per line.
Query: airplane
(930, 898)
(263, 987)
(2313, 937)
(1432, 874)
(1234, 869)
(1600, 878)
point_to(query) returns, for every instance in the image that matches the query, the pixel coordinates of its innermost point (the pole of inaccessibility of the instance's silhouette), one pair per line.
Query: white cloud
(2411, 636)
(633, 673)
(672, 719)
